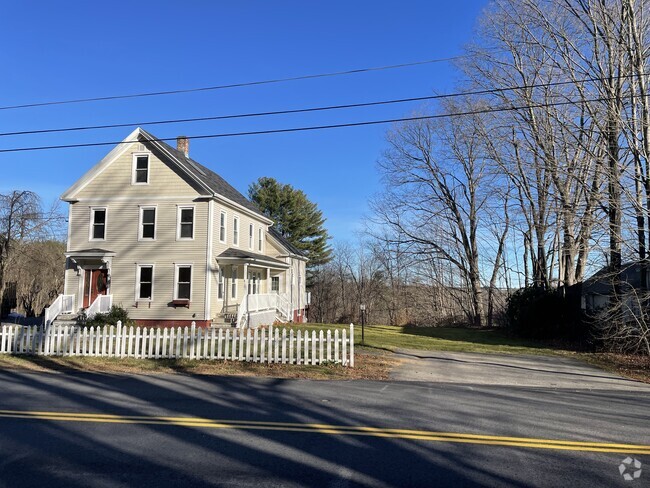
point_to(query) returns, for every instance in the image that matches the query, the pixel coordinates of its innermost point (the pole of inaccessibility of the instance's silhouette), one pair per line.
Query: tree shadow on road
(76, 454)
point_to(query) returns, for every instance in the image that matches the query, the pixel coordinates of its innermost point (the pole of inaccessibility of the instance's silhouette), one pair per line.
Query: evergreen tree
(296, 218)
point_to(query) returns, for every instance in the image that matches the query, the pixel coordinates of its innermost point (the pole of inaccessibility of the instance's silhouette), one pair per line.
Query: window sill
(181, 302)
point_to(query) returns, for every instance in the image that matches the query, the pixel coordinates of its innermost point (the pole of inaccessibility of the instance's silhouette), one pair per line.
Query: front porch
(89, 291)
(249, 283)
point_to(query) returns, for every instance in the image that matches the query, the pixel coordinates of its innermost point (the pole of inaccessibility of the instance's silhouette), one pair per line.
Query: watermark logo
(630, 469)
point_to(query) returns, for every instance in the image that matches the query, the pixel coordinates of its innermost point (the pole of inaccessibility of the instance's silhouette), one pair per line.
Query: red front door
(94, 284)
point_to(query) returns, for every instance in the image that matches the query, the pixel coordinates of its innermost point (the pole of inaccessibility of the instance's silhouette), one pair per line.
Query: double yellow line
(419, 435)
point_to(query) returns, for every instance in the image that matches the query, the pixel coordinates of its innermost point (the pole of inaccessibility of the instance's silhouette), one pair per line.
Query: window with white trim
(250, 236)
(222, 227)
(233, 283)
(145, 282)
(235, 231)
(147, 223)
(221, 283)
(98, 224)
(183, 286)
(275, 284)
(260, 239)
(140, 169)
(185, 223)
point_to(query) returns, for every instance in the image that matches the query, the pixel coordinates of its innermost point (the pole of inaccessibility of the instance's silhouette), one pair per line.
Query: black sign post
(363, 324)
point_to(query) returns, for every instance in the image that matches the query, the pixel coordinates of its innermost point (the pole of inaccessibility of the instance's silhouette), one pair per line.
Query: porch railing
(284, 307)
(62, 304)
(253, 303)
(102, 304)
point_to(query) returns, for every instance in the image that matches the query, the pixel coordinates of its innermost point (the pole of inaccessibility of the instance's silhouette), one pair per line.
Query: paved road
(507, 370)
(276, 444)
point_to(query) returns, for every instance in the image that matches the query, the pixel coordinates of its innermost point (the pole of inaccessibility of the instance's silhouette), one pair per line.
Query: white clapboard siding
(258, 345)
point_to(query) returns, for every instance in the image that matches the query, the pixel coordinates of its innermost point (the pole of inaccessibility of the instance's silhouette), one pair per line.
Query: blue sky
(67, 50)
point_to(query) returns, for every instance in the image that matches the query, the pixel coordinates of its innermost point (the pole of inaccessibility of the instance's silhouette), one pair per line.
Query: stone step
(64, 322)
(67, 316)
(222, 326)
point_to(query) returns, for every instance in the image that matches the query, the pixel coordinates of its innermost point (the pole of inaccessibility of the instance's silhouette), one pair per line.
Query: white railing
(275, 345)
(62, 304)
(102, 304)
(242, 312)
(284, 307)
(255, 303)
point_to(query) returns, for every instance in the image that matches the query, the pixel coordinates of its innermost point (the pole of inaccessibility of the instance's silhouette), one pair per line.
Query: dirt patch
(367, 366)
(628, 365)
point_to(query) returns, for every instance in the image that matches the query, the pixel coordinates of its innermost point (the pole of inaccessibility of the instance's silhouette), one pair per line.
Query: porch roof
(90, 253)
(232, 255)
(90, 257)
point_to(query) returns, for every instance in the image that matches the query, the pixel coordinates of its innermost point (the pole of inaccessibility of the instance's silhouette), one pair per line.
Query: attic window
(140, 169)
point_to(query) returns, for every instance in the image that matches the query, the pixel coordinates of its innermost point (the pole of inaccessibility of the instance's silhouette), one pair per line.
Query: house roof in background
(601, 281)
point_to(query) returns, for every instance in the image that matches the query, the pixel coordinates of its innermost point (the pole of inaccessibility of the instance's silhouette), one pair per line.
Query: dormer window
(140, 169)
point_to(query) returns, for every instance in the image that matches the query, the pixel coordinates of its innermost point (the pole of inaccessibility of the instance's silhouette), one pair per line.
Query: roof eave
(68, 195)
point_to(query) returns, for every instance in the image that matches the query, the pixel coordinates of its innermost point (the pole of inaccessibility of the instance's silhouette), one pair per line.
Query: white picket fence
(256, 345)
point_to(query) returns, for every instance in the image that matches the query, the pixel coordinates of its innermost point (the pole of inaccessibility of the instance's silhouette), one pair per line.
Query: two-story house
(172, 242)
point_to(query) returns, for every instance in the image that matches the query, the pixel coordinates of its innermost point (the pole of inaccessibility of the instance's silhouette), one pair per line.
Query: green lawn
(439, 339)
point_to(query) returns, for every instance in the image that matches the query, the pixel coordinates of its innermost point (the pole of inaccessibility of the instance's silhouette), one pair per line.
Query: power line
(232, 85)
(312, 128)
(224, 117)
(294, 111)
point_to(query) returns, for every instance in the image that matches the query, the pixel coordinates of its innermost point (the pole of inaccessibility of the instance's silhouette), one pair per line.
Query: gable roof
(214, 182)
(601, 282)
(284, 242)
(207, 181)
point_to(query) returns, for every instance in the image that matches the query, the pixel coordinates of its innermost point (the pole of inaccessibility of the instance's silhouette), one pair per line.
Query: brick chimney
(183, 145)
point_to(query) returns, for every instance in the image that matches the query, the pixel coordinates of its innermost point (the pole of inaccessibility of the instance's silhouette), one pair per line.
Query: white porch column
(245, 279)
(268, 280)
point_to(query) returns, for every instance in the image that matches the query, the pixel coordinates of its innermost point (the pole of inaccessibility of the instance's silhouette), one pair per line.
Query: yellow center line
(420, 435)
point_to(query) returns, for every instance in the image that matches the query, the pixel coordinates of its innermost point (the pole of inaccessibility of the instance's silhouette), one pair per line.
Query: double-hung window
(275, 284)
(250, 236)
(221, 283)
(233, 283)
(260, 237)
(140, 169)
(98, 224)
(185, 223)
(222, 227)
(235, 231)
(145, 282)
(183, 288)
(147, 223)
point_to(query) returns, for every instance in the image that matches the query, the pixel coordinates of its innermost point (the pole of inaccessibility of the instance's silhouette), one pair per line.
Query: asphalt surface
(79, 451)
(507, 370)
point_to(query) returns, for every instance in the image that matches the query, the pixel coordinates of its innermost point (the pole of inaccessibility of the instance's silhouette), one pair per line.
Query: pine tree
(295, 216)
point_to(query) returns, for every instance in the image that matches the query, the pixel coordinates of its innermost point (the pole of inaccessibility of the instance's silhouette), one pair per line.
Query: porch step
(67, 316)
(58, 321)
(221, 325)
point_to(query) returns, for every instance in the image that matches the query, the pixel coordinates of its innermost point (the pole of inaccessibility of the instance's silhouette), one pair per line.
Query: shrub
(116, 313)
(536, 313)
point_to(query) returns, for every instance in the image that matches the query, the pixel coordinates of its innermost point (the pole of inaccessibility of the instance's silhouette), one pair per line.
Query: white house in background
(172, 242)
